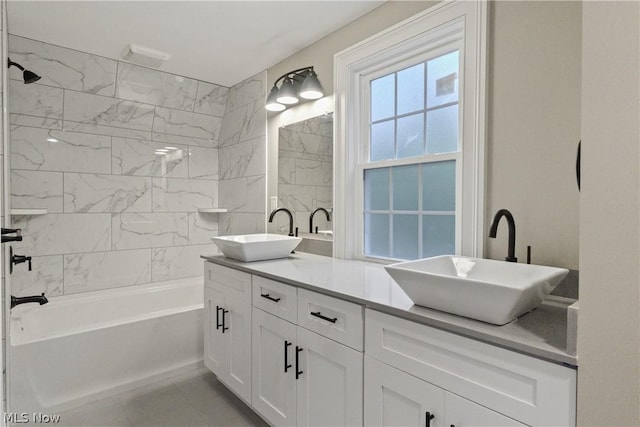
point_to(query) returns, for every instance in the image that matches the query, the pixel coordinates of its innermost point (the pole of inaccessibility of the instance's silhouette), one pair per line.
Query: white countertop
(541, 333)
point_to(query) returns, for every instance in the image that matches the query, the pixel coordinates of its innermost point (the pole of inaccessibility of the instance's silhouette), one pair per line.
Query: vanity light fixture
(301, 83)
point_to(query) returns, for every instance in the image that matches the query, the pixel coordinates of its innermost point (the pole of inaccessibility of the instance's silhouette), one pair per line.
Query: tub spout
(40, 299)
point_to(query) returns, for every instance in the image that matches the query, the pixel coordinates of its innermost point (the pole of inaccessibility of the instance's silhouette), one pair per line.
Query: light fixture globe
(272, 104)
(287, 93)
(311, 87)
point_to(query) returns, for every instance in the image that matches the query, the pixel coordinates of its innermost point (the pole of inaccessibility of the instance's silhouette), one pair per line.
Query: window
(409, 151)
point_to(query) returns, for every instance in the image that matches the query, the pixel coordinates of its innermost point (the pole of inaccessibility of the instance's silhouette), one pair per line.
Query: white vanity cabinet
(299, 376)
(227, 327)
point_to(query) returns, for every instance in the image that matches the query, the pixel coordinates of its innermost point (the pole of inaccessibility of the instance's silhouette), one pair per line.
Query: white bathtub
(78, 348)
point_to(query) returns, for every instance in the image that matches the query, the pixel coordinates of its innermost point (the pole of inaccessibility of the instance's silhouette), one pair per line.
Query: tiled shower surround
(84, 143)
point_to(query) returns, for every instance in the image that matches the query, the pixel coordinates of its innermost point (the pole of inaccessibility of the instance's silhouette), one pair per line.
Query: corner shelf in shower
(16, 212)
(212, 210)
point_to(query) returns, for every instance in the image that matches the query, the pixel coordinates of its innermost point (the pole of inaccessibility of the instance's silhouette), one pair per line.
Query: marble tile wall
(242, 158)
(305, 171)
(84, 143)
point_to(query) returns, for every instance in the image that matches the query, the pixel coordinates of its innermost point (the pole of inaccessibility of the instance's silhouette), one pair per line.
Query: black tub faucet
(512, 232)
(290, 218)
(40, 299)
(326, 212)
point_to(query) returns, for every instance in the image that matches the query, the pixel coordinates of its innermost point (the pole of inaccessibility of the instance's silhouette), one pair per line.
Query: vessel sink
(492, 291)
(256, 247)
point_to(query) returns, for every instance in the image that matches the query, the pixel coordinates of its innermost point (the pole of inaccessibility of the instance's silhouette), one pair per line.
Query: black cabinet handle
(224, 328)
(328, 319)
(218, 324)
(429, 416)
(287, 365)
(269, 297)
(578, 165)
(298, 372)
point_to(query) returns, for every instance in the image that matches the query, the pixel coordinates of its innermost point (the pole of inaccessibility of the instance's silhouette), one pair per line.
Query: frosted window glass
(411, 89)
(376, 235)
(405, 188)
(382, 140)
(383, 97)
(410, 140)
(376, 189)
(439, 186)
(442, 130)
(438, 235)
(405, 236)
(442, 80)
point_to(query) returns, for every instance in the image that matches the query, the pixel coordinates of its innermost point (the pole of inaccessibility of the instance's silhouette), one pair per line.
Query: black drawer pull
(287, 365)
(218, 324)
(429, 417)
(224, 328)
(269, 297)
(328, 319)
(298, 372)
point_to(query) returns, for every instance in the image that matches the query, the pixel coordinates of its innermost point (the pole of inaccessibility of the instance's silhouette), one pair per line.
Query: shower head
(28, 76)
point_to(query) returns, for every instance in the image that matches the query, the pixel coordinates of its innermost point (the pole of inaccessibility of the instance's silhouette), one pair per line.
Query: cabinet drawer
(334, 318)
(226, 279)
(276, 298)
(527, 389)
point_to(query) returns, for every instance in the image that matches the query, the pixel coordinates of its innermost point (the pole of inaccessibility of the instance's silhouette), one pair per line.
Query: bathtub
(78, 348)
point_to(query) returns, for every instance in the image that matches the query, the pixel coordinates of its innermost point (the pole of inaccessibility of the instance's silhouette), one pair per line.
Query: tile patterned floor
(196, 399)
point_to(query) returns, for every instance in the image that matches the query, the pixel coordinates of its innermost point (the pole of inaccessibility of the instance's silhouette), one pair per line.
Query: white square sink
(492, 291)
(256, 247)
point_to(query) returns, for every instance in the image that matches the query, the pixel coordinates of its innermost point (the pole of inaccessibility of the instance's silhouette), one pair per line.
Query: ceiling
(221, 42)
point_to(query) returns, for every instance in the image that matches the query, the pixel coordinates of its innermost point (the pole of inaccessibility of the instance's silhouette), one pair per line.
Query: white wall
(609, 320)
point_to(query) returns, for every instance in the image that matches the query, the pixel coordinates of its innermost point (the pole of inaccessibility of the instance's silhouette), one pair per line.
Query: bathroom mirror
(305, 173)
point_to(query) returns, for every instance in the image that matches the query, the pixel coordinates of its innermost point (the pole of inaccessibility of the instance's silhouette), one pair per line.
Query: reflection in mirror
(305, 173)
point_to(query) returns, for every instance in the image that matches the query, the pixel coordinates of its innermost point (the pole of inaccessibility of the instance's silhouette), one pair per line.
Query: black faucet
(16, 238)
(326, 212)
(512, 232)
(40, 299)
(290, 218)
(17, 259)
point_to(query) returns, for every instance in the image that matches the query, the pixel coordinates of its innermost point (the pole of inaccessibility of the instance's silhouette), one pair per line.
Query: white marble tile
(35, 189)
(297, 197)
(55, 150)
(106, 193)
(309, 172)
(184, 140)
(247, 91)
(140, 158)
(202, 227)
(36, 122)
(203, 163)
(184, 123)
(244, 159)
(93, 128)
(35, 100)
(211, 99)
(299, 142)
(56, 234)
(233, 194)
(45, 276)
(64, 68)
(241, 223)
(104, 270)
(105, 111)
(243, 124)
(286, 168)
(324, 197)
(256, 194)
(149, 230)
(183, 195)
(155, 87)
(179, 261)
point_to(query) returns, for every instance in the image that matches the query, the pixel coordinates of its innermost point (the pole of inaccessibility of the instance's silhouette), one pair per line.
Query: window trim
(439, 25)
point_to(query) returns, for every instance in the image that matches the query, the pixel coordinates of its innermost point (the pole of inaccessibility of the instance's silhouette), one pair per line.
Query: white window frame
(445, 23)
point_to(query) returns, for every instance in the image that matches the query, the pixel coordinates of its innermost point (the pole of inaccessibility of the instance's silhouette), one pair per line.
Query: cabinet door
(274, 390)
(330, 386)
(238, 336)
(394, 398)
(214, 340)
(464, 413)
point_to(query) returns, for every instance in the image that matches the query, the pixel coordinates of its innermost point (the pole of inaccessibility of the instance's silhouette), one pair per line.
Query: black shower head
(28, 76)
